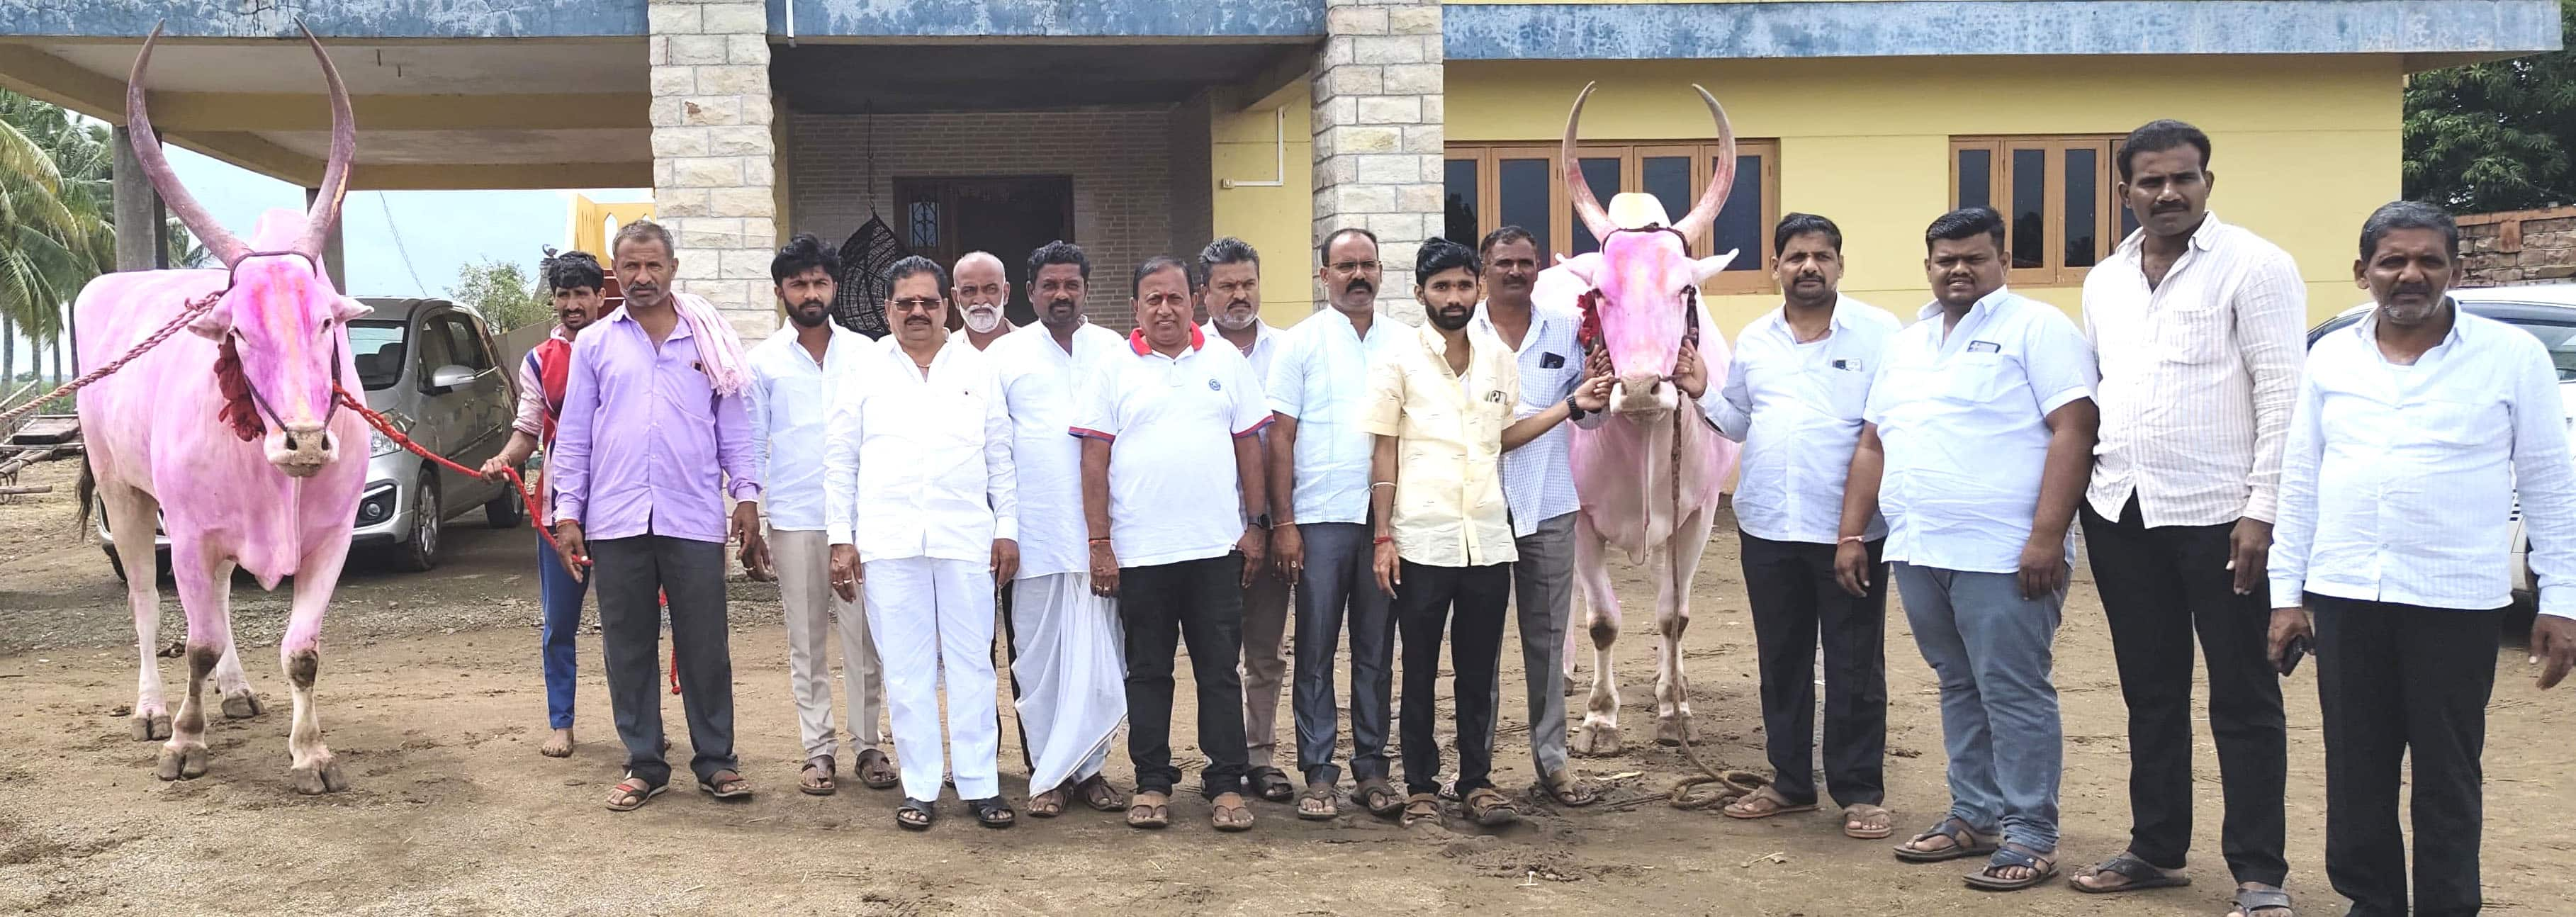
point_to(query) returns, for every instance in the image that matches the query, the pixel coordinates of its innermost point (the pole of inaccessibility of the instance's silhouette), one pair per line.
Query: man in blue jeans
(575, 281)
(1982, 419)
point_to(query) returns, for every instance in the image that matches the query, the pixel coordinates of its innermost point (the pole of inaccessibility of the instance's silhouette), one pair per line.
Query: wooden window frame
(2053, 270)
(1631, 155)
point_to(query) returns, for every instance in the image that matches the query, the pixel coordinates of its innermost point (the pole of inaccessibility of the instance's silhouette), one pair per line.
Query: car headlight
(379, 445)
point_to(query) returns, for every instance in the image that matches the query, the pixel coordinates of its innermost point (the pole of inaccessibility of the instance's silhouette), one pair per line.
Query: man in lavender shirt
(652, 439)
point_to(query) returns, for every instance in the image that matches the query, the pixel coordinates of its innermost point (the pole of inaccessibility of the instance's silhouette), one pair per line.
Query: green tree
(2495, 136)
(502, 292)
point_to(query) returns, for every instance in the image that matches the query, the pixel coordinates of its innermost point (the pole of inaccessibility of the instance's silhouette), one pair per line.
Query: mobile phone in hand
(2297, 650)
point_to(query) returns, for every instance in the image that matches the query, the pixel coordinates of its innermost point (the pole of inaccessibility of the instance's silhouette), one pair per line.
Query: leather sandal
(1490, 808)
(1421, 807)
(811, 785)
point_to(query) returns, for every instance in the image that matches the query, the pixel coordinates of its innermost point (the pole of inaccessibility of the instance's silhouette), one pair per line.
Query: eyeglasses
(1354, 267)
(914, 305)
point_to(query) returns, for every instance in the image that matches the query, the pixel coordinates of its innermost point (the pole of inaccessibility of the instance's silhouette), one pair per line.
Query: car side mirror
(449, 378)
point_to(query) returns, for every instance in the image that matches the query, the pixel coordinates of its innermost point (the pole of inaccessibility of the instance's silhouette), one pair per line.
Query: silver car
(2548, 312)
(430, 367)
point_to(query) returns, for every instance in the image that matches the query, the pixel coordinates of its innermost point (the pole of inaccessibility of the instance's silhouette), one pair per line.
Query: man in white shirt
(1229, 279)
(1319, 466)
(2413, 433)
(1793, 396)
(1067, 669)
(2197, 328)
(1981, 421)
(927, 541)
(795, 377)
(982, 295)
(1538, 484)
(1173, 502)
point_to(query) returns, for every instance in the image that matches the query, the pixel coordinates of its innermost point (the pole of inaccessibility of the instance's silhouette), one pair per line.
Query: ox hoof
(1675, 731)
(319, 777)
(242, 705)
(149, 727)
(181, 762)
(1596, 739)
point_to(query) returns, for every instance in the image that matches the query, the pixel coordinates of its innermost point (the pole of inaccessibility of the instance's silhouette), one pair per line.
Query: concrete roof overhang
(431, 113)
(849, 78)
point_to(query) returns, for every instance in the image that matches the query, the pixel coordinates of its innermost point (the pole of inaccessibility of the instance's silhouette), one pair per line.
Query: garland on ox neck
(238, 412)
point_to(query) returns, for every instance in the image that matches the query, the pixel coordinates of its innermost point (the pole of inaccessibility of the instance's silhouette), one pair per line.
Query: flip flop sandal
(1322, 795)
(1421, 807)
(1490, 808)
(876, 771)
(2249, 900)
(2141, 874)
(992, 812)
(1964, 842)
(1143, 814)
(1380, 798)
(1568, 791)
(726, 787)
(2041, 867)
(632, 792)
(1271, 784)
(1048, 804)
(1096, 792)
(1230, 816)
(1862, 812)
(916, 815)
(1778, 805)
(821, 786)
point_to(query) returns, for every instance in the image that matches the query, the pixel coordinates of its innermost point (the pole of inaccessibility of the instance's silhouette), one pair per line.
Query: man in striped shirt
(2196, 324)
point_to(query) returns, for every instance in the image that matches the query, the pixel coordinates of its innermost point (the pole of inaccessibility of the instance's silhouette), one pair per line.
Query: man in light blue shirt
(1793, 395)
(795, 375)
(1319, 487)
(1982, 422)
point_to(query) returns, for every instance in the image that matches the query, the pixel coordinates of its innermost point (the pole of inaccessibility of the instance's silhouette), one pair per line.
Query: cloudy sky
(398, 243)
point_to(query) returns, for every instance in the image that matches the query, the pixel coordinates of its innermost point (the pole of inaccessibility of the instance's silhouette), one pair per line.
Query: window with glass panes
(2059, 197)
(1490, 186)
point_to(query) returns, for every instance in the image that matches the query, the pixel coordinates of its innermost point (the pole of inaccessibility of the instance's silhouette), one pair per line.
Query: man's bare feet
(558, 745)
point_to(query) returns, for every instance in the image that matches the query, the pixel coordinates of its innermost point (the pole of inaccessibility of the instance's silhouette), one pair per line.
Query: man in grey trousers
(1540, 491)
(1319, 489)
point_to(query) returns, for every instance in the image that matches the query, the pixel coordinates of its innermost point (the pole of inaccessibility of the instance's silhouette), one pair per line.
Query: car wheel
(420, 552)
(115, 563)
(506, 511)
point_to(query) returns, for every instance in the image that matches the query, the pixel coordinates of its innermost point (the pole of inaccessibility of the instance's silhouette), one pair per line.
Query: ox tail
(87, 488)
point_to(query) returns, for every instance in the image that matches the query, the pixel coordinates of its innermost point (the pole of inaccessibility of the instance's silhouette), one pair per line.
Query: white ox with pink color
(1648, 476)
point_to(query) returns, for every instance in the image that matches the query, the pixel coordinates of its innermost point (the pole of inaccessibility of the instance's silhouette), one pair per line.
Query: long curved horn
(147, 152)
(1585, 205)
(344, 147)
(1721, 181)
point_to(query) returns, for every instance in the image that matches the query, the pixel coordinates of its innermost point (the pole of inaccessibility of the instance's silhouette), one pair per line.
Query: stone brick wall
(2518, 247)
(713, 172)
(1378, 113)
(1119, 161)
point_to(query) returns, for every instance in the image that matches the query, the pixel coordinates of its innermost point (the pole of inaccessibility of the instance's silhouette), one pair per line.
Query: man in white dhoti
(925, 540)
(1070, 664)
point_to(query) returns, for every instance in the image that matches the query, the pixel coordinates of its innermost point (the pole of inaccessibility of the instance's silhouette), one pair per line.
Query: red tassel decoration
(238, 411)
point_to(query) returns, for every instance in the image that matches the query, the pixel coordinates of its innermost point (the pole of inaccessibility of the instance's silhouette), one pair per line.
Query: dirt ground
(431, 698)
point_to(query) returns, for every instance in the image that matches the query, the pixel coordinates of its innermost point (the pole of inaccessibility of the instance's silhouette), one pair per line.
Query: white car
(2548, 312)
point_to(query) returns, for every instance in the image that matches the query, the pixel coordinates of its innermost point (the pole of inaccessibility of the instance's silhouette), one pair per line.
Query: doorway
(1009, 215)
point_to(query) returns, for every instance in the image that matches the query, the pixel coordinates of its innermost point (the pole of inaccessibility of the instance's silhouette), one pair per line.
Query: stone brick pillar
(714, 165)
(1377, 90)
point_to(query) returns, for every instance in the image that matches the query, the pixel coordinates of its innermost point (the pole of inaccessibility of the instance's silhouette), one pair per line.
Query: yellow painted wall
(590, 220)
(2303, 147)
(1277, 221)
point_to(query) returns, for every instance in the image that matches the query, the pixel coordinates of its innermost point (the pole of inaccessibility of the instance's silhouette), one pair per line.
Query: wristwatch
(1573, 411)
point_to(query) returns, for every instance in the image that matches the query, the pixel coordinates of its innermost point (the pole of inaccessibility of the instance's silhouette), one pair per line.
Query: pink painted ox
(231, 434)
(1649, 476)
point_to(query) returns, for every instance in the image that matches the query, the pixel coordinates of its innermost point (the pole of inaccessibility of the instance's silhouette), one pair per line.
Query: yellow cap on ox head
(1636, 210)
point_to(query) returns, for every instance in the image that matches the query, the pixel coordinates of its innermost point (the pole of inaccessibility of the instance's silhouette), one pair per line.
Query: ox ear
(1706, 269)
(346, 309)
(1586, 266)
(215, 323)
